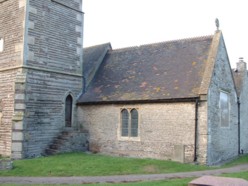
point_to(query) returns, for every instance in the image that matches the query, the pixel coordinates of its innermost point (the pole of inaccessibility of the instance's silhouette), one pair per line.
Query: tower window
(1, 44)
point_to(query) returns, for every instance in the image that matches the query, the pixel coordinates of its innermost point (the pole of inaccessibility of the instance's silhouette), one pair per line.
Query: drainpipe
(238, 126)
(196, 127)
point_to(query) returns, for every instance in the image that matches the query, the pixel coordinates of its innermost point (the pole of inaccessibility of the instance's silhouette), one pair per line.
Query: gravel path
(118, 179)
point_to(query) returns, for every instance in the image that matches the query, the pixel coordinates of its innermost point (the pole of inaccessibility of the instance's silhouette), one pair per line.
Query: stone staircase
(69, 140)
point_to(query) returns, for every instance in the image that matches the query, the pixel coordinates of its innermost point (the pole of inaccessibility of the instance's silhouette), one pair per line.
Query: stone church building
(177, 100)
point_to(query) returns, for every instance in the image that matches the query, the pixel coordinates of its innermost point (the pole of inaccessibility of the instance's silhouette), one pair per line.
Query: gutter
(196, 128)
(169, 100)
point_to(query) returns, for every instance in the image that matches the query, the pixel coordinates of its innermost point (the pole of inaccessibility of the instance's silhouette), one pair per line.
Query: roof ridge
(163, 42)
(125, 48)
(176, 40)
(97, 45)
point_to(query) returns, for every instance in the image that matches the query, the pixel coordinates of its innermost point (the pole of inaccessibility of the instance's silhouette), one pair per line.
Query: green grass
(240, 160)
(243, 175)
(81, 164)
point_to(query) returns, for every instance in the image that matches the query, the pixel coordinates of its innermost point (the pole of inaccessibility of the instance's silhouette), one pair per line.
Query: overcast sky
(126, 23)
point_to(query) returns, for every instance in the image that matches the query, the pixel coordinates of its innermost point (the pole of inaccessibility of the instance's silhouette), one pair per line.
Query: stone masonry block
(23, 24)
(21, 78)
(20, 96)
(31, 56)
(22, 3)
(31, 40)
(17, 136)
(79, 40)
(79, 28)
(18, 116)
(18, 125)
(20, 106)
(32, 10)
(17, 146)
(18, 47)
(79, 17)
(31, 25)
(17, 155)
(79, 51)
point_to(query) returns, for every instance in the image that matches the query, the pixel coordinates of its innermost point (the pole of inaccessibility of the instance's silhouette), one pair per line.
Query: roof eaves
(171, 100)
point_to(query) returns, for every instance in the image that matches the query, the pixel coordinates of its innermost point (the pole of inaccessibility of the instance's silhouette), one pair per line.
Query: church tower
(40, 72)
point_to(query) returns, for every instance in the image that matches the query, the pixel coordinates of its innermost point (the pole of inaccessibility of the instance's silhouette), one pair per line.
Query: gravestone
(218, 181)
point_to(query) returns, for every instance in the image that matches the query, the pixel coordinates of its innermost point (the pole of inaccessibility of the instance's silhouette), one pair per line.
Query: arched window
(1, 44)
(124, 122)
(129, 122)
(224, 104)
(68, 111)
(134, 123)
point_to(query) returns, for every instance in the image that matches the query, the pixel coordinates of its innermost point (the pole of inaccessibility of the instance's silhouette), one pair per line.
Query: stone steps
(69, 141)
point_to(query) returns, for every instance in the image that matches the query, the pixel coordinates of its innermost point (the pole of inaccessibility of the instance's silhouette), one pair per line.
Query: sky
(126, 23)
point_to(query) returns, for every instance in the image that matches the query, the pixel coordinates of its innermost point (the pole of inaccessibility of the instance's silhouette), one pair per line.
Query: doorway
(68, 111)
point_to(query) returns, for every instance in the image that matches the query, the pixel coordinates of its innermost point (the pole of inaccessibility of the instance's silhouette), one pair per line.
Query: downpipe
(239, 151)
(196, 128)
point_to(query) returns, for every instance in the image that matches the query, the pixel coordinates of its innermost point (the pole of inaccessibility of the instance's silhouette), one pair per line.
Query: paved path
(118, 179)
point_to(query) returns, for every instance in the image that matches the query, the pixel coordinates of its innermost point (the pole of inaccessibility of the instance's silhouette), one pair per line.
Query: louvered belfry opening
(68, 111)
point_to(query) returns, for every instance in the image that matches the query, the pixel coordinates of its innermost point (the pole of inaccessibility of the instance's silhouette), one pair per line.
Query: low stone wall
(6, 164)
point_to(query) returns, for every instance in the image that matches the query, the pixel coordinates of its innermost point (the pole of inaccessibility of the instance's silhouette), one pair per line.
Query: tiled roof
(92, 58)
(160, 71)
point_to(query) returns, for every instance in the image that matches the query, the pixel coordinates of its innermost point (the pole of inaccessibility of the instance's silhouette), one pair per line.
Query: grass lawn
(81, 164)
(240, 160)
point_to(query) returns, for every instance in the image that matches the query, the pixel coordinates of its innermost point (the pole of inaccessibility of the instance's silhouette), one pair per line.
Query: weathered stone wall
(45, 108)
(12, 15)
(40, 65)
(222, 141)
(242, 70)
(166, 130)
(202, 132)
(53, 70)
(6, 112)
(55, 36)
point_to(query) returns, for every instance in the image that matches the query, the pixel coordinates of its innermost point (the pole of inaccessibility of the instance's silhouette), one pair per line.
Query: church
(176, 100)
